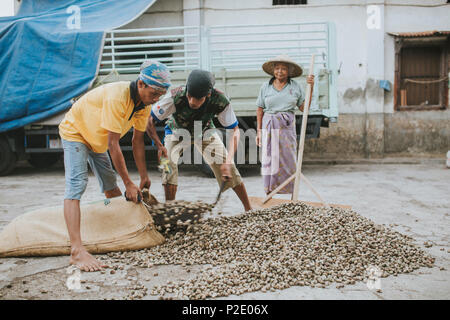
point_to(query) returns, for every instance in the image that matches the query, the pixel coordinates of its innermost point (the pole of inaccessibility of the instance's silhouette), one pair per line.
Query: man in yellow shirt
(94, 125)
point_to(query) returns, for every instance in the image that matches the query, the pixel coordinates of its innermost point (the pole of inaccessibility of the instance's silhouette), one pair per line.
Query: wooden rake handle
(303, 133)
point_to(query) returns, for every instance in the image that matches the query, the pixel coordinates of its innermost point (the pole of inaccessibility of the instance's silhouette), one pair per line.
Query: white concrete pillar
(375, 55)
(374, 95)
(192, 13)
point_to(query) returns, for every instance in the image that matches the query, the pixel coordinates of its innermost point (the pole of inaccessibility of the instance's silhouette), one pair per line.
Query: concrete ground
(412, 198)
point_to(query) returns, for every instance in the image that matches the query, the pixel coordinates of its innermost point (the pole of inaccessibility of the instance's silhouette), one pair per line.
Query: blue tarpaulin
(50, 53)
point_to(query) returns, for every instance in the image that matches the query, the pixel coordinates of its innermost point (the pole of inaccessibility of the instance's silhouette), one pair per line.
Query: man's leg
(100, 164)
(170, 180)
(79, 256)
(215, 153)
(75, 164)
(170, 191)
(241, 192)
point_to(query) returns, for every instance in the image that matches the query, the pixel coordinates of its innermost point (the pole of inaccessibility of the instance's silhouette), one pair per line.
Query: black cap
(200, 83)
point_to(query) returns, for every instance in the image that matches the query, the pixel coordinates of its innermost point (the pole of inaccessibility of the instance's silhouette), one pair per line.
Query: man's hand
(225, 170)
(145, 183)
(258, 138)
(132, 192)
(162, 151)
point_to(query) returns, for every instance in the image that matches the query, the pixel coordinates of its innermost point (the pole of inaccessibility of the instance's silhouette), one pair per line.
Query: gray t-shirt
(273, 101)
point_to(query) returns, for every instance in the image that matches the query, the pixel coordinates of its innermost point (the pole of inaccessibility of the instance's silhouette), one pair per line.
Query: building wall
(165, 13)
(367, 126)
(377, 135)
(16, 6)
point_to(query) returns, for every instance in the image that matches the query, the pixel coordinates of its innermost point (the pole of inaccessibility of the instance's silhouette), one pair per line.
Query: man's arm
(139, 158)
(233, 144)
(160, 111)
(227, 118)
(151, 131)
(132, 191)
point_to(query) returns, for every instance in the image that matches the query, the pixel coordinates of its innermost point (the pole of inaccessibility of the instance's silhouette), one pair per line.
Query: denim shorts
(76, 157)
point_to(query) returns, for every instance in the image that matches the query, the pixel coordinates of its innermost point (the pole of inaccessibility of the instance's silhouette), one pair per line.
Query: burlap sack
(110, 225)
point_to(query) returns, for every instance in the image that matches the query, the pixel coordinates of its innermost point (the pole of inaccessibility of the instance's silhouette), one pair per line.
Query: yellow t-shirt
(105, 108)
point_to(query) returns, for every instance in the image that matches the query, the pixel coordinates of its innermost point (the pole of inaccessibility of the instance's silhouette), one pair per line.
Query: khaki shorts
(213, 152)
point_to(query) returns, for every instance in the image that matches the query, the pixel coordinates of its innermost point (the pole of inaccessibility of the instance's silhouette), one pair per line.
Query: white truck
(233, 53)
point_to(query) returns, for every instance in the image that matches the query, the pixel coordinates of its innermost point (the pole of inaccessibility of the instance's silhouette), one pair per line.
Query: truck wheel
(43, 160)
(205, 169)
(7, 157)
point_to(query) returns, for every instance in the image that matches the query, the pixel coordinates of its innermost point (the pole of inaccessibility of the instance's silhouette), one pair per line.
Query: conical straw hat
(294, 69)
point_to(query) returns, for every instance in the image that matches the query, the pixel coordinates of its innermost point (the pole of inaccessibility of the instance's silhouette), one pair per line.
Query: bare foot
(84, 260)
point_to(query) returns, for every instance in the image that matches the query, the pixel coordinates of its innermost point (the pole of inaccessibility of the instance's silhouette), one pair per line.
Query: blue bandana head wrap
(155, 74)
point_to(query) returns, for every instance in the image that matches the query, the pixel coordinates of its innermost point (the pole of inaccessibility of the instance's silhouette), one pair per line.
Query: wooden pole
(281, 186)
(303, 133)
(309, 184)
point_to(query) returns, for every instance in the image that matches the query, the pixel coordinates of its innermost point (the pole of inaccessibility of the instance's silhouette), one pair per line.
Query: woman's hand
(258, 138)
(310, 80)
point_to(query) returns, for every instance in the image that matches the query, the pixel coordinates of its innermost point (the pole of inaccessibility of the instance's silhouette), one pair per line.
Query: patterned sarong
(279, 150)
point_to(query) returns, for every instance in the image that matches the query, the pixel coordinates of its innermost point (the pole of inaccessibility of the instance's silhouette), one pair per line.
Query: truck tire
(205, 169)
(43, 160)
(7, 157)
